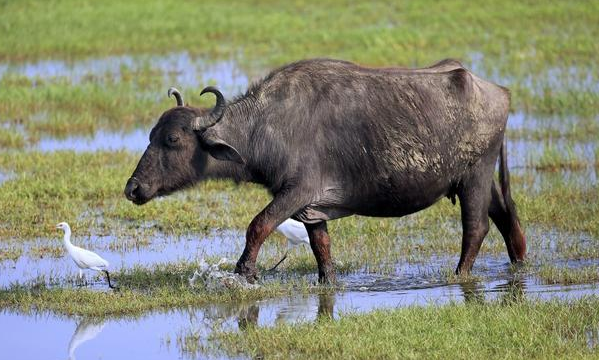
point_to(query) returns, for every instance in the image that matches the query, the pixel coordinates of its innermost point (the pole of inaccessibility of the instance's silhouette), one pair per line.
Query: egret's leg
(108, 278)
(289, 247)
(280, 261)
(81, 283)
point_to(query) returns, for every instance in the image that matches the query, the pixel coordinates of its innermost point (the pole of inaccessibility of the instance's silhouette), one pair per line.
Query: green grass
(62, 186)
(562, 275)
(554, 158)
(378, 32)
(86, 190)
(529, 47)
(141, 290)
(546, 58)
(59, 108)
(11, 139)
(567, 128)
(506, 330)
(13, 253)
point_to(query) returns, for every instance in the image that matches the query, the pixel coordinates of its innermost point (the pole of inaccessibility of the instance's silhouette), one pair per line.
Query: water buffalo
(330, 138)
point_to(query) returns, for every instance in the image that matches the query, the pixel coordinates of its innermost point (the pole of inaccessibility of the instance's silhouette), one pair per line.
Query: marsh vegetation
(78, 97)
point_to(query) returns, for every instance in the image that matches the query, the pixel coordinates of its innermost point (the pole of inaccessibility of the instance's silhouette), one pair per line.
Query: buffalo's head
(179, 149)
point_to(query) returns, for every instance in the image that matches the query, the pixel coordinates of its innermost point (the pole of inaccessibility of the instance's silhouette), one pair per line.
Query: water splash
(212, 279)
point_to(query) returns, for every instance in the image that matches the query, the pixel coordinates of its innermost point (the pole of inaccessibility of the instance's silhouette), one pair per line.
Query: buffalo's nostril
(130, 188)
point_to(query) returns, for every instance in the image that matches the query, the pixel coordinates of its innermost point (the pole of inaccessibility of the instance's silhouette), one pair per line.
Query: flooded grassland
(73, 128)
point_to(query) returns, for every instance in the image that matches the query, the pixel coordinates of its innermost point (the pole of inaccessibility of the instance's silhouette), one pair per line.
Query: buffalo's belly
(317, 213)
(376, 201)
(396, 204)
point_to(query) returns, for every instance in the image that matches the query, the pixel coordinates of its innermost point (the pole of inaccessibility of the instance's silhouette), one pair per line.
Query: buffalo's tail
(516, 235)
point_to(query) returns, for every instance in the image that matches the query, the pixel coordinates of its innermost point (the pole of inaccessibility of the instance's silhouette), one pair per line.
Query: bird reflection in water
(86, 330)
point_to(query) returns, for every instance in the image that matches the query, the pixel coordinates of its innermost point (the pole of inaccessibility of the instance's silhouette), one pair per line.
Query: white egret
(84, 259)
(296, 234)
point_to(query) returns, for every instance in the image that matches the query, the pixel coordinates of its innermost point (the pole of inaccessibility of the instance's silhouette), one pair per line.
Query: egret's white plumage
(83, 258)
(294, 231)
(296, 234)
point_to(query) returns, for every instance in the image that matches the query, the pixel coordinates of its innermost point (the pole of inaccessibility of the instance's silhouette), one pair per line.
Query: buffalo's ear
(219, 149)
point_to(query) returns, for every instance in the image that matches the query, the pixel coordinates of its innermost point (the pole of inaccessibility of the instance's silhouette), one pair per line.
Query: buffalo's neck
(219, 169)
(238, 128)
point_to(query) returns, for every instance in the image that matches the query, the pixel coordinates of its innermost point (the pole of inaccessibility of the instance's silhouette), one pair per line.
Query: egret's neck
(67, 238)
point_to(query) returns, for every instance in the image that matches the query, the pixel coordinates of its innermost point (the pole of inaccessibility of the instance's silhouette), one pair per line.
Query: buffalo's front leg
(321, 247)
(280, 208)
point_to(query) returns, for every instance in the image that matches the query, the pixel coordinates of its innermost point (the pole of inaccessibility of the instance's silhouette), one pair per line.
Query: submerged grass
(539, 128)
(554, 158)
(59, 108)
(563, 275)
(12, 252)
(141, 290)
(512, 330)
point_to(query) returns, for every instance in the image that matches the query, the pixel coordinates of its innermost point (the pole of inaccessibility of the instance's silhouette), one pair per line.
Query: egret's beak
(57, 226)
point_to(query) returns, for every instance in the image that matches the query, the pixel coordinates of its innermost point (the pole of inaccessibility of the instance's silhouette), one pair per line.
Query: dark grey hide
(330, 139)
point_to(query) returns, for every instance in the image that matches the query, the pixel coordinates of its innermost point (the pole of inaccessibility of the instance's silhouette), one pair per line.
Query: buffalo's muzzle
(131, 189)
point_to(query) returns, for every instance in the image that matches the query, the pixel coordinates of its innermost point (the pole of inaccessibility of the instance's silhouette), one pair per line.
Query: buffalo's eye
(172, 138)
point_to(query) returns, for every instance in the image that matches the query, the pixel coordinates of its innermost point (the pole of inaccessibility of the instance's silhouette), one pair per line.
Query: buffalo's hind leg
(508, 225)
(475, 196)
(321, 247)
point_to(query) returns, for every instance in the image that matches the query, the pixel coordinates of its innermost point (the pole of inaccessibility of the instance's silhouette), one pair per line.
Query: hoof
(327, 277)
(249, 272)
(327, 281)
(518, 265)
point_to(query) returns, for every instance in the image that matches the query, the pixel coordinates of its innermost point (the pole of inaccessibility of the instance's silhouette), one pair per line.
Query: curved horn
(173, 91)
(202, 122)
(219, 108)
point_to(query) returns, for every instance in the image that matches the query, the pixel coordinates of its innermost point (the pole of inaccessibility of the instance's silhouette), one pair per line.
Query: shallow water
(523, 154)
(558, 126)
(134, 141)
(551, 79)
(120, 253)
(185, 333)
(180, 69)
(183, 69)
(159, 335)
(45, 260)
(526, 153)
(5, 176)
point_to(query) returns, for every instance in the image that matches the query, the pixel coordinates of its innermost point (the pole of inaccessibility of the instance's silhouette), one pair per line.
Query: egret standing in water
(296, 234)
(84, 259)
